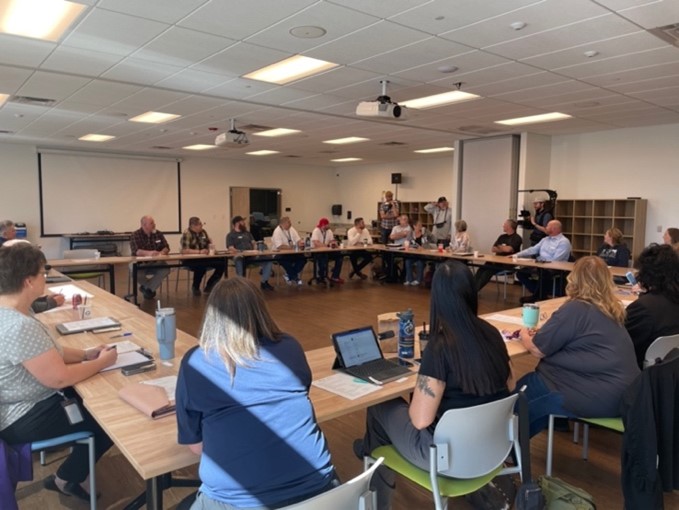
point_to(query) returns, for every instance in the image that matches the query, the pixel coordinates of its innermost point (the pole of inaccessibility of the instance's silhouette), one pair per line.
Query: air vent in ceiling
(161, 147)
(668, 33)
(291, 156)
(5, 132)
(328, 152)
(35, 101)
(393, 144)
(481, 130)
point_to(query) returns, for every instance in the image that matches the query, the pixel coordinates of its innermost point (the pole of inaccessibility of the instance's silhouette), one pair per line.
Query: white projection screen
(91, 193)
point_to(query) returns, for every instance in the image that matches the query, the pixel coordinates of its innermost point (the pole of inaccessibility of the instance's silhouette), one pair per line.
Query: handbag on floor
(564, 496)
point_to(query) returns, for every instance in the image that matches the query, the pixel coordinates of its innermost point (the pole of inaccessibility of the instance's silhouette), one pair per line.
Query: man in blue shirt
(553, 248)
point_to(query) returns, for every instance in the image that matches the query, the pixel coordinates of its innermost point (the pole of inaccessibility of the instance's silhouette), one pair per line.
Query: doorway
(260, 206)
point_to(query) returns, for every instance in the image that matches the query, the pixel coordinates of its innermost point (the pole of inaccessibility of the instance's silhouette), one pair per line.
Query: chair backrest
(659, 349)
(473, 441)
(353, 495)
(80, 254)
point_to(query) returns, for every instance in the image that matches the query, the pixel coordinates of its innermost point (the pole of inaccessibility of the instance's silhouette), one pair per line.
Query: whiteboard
(90, 193)
(488, 194)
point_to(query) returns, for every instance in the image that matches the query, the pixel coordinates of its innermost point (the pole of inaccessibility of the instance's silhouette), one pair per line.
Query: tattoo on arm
(423, 385)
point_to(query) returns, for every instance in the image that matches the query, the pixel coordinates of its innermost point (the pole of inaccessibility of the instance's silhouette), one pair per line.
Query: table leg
(154, 493)
(112, 278)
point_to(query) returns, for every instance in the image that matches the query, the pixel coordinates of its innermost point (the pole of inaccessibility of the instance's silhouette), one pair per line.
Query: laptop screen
(357, 346)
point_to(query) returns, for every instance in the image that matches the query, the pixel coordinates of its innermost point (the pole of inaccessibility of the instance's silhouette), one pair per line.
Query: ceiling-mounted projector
(382, 107)
(233, 138)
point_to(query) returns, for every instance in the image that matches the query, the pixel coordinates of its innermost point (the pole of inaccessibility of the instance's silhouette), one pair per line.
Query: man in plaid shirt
(148, 242)
(195, 240)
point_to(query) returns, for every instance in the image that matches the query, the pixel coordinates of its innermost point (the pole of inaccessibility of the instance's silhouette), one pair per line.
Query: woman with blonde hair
(613, 250)
(586, 355)
(460, 243)
(243, 405)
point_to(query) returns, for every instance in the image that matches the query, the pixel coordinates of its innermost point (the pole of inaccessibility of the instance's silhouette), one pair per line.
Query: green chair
(615, 424)
(470, 447)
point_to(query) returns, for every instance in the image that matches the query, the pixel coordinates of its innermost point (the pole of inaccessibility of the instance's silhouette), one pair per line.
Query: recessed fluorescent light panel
(96, 138)
(263, 152)
(349, 139)
(277, 132)
(40, 19)
(534, 119)
(3, 98)
(290, 69)
(435, 149)
(199, 147)
(346, 160)
(155, 117)
(455, 96)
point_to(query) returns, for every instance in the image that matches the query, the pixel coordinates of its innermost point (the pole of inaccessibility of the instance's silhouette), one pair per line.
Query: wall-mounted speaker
(396, 178)
(337, 210)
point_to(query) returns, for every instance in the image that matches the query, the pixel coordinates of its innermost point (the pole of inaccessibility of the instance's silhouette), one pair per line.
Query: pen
(121, 335)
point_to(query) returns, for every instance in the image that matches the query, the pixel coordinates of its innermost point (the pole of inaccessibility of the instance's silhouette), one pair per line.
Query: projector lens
(397, 111)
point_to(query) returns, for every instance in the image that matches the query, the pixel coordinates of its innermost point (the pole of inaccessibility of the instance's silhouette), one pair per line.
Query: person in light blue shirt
(243, 404)
(553, 248)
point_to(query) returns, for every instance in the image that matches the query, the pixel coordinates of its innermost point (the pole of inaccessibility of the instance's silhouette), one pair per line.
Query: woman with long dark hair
(656, 312)
(465, 364)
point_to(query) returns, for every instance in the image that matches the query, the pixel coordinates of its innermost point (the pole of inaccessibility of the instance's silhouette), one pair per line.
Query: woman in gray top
(36, 373)
(586, 355)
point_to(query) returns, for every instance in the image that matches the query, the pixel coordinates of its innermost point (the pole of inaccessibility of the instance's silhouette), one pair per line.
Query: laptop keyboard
(383, 367)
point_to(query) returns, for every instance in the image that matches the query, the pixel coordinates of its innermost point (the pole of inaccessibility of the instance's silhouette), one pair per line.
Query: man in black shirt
(539, 220)
(507, 244)
(238, 240)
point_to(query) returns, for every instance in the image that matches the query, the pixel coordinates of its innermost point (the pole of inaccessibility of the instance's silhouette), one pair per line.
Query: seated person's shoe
(70, 488)
(265, 286)
(359, 451)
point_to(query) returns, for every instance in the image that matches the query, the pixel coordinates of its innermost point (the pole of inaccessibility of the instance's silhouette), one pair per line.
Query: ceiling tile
(621, 63)
(141, 72)
(192, 80)
(240, 59)
(79, 61)
(15, 50)
(117, 33)
(51, 85)
(103, 93)
(380, 8)
(165, 11)
(11, 78)
(239, 20)
(344, 21)
(182, 47)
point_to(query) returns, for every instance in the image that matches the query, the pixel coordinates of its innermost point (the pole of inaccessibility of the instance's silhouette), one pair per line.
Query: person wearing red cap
(322, 237)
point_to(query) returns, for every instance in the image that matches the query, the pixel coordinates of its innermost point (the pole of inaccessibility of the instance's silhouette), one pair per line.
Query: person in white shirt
(400, 232)
(442, 217)
(286, 238)
(356, 236)
(322, 237)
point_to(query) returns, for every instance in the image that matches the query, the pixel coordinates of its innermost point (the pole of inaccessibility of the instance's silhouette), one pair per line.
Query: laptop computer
(359, 354)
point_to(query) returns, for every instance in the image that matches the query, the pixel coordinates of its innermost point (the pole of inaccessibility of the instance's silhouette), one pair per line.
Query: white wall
(307, 190)
(359, 188)
(634, 162)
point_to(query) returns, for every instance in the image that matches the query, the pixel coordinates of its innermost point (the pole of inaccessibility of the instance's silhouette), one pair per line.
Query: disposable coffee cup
(211, 249)
(530, 315)
(406, 244)
(166, 332)
(476, 254)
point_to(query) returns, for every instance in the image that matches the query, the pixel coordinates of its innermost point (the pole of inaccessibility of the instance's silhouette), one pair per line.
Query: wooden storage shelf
(585, 222)
(415, 211)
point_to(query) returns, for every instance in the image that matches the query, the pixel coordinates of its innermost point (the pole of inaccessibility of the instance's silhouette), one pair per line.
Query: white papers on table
(69, 290)
(169, 384)
(87, 325)
(346, 385)
(509, 319)
(124, 346)
(126, 359)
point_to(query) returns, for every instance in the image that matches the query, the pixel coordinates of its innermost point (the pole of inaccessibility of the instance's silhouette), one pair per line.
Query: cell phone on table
(139, 368)
(630, 278)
